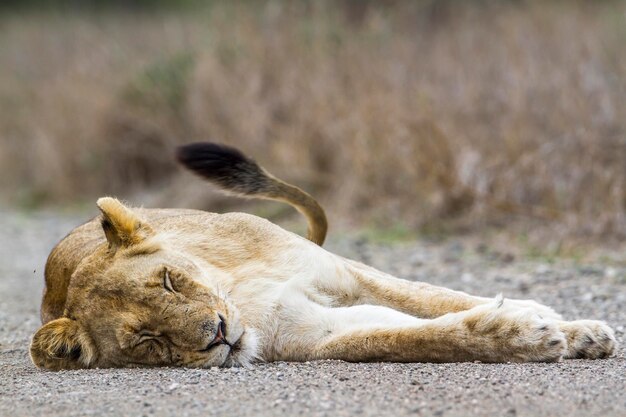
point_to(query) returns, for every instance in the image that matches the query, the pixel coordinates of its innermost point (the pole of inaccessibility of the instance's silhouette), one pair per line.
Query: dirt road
(326, 388)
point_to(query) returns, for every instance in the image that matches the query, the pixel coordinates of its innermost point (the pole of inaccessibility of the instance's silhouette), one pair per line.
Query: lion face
(148, 310)
(139, 302)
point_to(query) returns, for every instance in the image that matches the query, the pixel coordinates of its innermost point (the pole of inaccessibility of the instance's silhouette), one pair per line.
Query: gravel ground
(326, 388)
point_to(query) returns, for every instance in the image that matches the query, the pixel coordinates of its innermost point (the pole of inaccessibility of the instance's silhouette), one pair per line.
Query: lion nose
(220, 337)
(220, 334)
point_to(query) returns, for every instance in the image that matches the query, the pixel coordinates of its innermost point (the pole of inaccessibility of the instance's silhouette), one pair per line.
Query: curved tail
(237, 174)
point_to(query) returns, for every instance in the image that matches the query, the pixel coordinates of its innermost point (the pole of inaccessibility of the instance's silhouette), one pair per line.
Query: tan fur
(281, 297)
(305, 204)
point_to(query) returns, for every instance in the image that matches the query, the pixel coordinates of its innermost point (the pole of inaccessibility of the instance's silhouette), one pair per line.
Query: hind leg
(421, 299)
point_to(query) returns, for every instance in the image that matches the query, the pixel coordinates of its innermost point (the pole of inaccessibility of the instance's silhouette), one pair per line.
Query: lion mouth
(236, 347)
(236, 338)
(221, 339)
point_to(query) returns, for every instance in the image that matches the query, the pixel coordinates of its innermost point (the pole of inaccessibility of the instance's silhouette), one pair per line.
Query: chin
(244, 351)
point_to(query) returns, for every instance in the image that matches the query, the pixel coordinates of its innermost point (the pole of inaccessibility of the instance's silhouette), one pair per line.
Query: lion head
(139, 300)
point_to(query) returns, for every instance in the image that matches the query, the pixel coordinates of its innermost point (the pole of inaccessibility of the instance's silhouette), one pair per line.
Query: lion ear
(122, 227)
(62, 344)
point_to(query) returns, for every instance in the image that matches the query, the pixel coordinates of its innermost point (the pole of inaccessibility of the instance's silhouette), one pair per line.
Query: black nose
(219, 334)
(221, 327)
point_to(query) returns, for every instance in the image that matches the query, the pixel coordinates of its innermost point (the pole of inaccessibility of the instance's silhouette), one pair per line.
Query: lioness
(167, 287)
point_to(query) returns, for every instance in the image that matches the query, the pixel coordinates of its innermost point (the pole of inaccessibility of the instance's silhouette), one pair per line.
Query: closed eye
(167, 281)
(152, 348)
(147, 336)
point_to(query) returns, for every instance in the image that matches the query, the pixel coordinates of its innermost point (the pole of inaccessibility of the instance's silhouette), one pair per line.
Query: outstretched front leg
(489, 333)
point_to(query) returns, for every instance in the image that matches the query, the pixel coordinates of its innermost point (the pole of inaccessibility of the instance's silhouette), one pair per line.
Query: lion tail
(235, 173)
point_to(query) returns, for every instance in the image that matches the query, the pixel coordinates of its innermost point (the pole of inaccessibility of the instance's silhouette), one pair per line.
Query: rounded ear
(62, 344)
(122, 227)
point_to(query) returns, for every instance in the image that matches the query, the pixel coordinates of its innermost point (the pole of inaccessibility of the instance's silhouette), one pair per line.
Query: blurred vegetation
(162, 85)
(440, 116)
(100, 5)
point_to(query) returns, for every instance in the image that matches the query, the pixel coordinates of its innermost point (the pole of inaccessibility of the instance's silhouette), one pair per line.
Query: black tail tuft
(224, 166)
(234, 172)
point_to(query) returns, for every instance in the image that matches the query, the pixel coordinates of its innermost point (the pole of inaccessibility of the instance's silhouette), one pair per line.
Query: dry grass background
(427, 114)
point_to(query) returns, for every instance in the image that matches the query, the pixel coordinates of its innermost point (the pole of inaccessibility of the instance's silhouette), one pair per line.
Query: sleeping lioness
(165, 287)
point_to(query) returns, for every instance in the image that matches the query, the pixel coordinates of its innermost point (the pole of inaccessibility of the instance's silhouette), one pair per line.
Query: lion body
(278, 279)
(154, 287)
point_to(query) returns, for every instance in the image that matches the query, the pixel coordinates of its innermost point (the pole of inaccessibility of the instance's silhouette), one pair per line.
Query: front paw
(515, 334)
(588, 339)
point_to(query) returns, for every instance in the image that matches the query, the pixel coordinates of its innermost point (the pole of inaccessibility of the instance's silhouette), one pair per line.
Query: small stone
(524, 287)
(467, 277)
(591, 270)
(508, 258)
